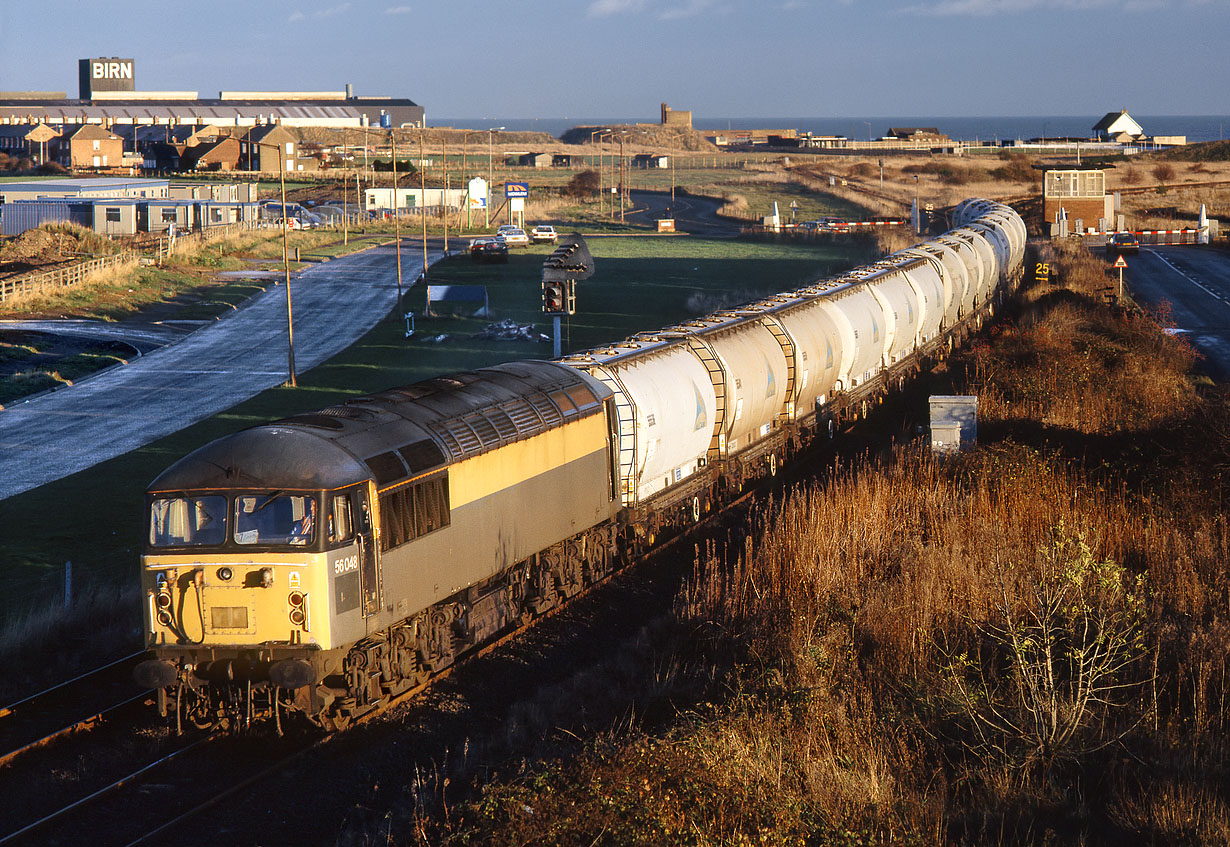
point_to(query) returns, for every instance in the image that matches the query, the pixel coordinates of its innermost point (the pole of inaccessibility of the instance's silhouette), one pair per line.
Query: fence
(34, 283)
(158, 249)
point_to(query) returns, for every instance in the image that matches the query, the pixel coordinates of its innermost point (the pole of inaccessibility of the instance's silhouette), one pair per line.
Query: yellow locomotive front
(255, 553)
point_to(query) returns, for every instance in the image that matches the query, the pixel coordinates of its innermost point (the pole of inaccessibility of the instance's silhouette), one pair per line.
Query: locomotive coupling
(291, 673)
(155, 673)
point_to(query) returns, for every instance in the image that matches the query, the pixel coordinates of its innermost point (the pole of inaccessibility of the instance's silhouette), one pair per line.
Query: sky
(475, 59)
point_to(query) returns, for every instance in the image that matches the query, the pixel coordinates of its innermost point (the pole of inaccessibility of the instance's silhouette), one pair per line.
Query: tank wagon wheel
(832, 429)
(696, 509)
(772, 464)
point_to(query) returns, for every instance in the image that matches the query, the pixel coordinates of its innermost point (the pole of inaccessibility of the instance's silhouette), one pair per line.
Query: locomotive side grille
(467, 440)
(484, 429)
(523, 416)
(504, 425)
(549, 412)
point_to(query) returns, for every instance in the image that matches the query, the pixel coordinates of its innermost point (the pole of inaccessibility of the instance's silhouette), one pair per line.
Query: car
(491, 250)
(543, 233)
(513, 236)
(1123, 242)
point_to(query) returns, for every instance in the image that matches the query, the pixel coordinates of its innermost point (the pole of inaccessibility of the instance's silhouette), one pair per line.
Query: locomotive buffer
(570, 262)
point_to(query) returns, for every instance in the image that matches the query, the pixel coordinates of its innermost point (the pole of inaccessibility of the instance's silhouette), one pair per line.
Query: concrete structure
(954, 422)
(674, 117)
(1080, 192)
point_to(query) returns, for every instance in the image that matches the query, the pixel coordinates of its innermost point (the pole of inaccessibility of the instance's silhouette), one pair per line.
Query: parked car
(492, 250)
(1123, 242)
(543, 233)
(513, 236)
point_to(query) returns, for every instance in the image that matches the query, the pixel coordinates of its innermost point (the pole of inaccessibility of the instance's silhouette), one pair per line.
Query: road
(207, 372)
(695, 215)
(1195, 282)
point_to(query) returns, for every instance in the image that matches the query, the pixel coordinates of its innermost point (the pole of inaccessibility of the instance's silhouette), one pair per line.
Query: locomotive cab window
(187, 521)
(275, 519)
(341, 527)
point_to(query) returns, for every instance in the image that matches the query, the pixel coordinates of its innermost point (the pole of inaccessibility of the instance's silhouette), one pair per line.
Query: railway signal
(570, 262)
(555, 299)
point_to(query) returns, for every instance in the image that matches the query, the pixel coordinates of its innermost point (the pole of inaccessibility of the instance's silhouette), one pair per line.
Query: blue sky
(620, 58)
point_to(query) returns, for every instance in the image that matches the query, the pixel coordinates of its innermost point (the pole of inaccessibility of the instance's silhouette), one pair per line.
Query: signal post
(571, 261)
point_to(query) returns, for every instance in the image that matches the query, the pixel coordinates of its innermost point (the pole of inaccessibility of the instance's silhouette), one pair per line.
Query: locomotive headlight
(297, 601)
(164, 618)
(224, 574)
(162, 599)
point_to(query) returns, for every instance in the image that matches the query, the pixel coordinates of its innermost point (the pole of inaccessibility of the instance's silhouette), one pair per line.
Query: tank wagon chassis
(338, 560)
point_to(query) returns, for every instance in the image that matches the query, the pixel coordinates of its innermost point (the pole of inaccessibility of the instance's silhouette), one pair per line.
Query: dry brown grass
(849, 608)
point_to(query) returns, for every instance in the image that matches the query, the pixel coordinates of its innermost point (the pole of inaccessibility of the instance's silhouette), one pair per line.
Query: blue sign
(517, 189)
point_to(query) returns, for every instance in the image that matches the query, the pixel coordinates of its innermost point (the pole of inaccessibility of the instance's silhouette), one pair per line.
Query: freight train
(325, 563)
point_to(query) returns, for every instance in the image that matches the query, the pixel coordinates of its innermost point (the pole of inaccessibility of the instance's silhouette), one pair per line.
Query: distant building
(650, 160)
(1118, 126)
(1079, 193)
(530, 160)
(107, 95)
(27, 141)
(917, 133)
(674, 117)
(87, 146)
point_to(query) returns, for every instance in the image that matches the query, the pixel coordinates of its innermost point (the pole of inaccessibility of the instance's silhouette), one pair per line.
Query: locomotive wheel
(695, 509)
(772, 464)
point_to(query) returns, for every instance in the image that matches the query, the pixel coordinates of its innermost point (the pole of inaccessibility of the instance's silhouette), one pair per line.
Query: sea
(1195, 127)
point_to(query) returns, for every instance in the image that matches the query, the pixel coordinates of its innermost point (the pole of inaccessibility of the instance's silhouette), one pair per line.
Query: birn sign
(113, 74)
(517, 189)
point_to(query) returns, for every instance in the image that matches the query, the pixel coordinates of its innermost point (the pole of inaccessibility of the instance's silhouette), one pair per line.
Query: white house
(1118, 126)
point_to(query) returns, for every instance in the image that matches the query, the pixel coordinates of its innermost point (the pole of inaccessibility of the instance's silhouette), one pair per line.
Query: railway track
(181, 779)
(57, 712)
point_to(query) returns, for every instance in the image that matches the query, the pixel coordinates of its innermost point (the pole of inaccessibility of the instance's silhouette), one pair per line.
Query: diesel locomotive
(328, 562)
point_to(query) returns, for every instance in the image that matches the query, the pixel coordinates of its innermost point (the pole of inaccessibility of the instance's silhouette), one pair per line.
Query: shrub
(583, 184)
(1163, 172)
(1016, 168)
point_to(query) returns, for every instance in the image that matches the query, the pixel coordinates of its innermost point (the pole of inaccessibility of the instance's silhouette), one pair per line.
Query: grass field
(641, 283)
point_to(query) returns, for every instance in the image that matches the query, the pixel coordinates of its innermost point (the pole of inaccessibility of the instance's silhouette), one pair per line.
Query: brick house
(87, 146)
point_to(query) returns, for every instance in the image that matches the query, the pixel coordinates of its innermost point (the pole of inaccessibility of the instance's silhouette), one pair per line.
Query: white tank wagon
(328, 562)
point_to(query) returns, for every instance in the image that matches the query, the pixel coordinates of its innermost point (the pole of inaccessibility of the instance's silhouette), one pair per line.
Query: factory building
(107, 96)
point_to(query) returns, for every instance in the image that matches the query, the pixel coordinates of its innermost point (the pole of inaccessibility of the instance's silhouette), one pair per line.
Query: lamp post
(601, 205)
(423, 210)
(290, 321)
(490, 171)
(396, 216)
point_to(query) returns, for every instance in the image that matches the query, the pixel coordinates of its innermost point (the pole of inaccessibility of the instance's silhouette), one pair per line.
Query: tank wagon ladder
(717, 376)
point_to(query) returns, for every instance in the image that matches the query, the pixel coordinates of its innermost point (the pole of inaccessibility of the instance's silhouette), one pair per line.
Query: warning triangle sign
(1119, 263)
